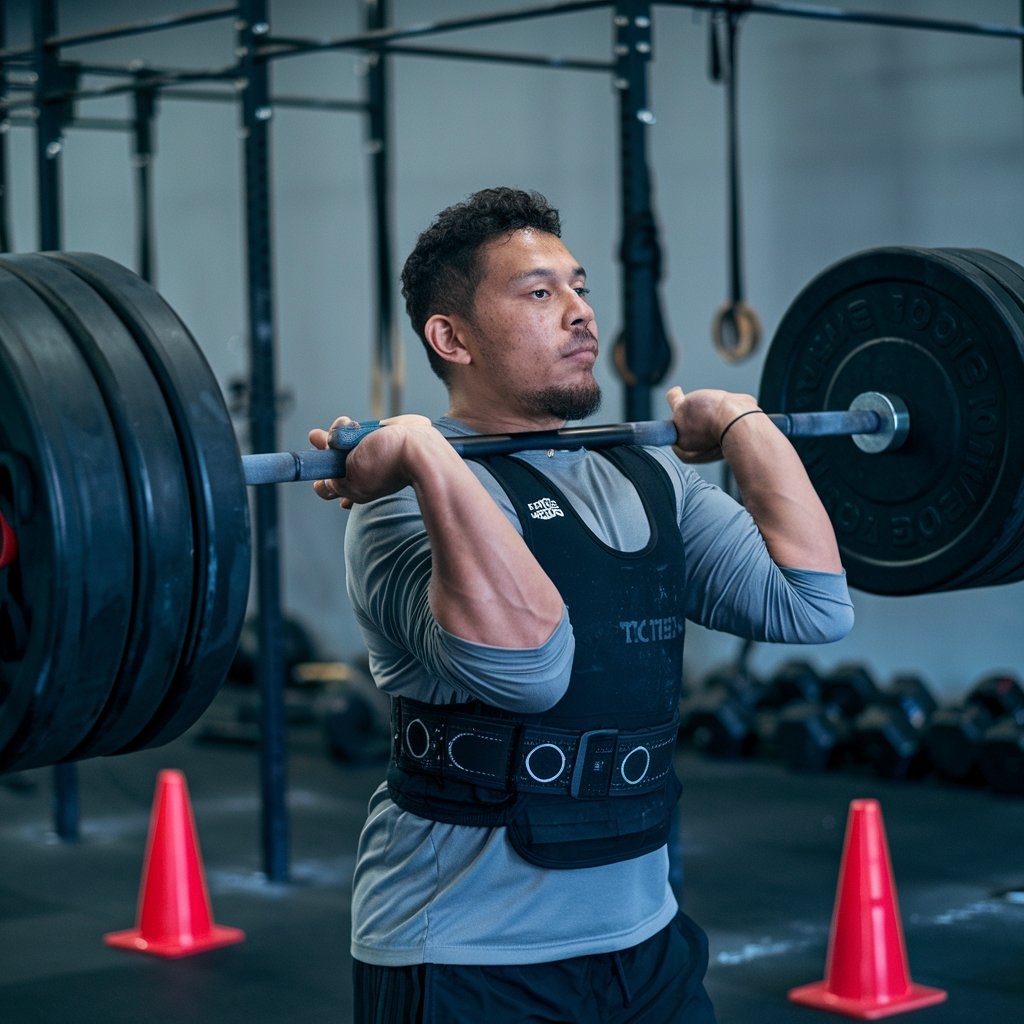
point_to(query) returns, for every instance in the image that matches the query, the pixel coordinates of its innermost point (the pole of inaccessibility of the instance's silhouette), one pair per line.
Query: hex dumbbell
(954, 735)
(1001, 754)
(735, 714)
(888, 735)
(715, 720)
(814, 736)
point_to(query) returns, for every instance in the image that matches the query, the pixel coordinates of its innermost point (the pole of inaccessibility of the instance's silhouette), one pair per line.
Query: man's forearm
(779, 496)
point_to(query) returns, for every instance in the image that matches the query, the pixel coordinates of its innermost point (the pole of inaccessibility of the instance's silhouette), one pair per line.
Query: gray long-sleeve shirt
(429, 892)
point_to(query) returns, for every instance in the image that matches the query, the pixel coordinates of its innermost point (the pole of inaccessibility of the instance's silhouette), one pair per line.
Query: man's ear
(444, 336)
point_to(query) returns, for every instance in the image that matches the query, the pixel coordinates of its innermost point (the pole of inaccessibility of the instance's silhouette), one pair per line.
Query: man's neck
(499, 421)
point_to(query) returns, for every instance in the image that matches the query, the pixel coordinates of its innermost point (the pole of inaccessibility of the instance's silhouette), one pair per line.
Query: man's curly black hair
(443, 270)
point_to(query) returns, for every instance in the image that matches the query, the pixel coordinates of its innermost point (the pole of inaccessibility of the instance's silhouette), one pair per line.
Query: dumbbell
(888, 735)
(734, 715)
(792, 681)
(814, 736)
(954, 735)
(715, 720)
(1001, 756)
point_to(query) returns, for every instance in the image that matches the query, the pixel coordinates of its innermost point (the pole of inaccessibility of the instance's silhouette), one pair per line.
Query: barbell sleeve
(876, 422)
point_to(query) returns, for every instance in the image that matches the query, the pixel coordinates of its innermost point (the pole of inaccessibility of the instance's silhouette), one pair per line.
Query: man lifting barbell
(516, 858)
(125, 552)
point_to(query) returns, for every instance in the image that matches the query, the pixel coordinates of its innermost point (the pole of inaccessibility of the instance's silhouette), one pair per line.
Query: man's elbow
(833, 628)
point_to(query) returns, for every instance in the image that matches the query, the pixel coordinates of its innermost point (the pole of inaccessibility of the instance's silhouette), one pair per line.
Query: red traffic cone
(866, 971)
(174, 916)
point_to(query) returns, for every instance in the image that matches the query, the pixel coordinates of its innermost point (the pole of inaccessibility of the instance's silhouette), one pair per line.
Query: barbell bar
(875, 422)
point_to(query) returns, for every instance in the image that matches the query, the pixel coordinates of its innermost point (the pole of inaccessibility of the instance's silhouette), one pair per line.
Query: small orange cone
(174, 916)
(866, 970)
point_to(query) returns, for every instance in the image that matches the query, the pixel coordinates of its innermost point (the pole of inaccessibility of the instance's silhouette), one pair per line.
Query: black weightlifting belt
(516, 757)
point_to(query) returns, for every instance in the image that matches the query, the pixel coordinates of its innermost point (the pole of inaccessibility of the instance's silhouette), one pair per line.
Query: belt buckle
(595, 758)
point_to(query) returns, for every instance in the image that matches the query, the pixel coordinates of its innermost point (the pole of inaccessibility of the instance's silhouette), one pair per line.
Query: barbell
(124, 533)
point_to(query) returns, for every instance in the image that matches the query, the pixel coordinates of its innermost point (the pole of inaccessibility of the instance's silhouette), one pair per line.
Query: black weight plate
(983, 571)
(75, 545)
(1011, 274)
(914, 324)
(1006, 562)
(158, 492)
(213, 465)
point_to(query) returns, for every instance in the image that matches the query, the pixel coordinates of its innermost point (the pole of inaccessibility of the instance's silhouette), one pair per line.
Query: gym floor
(762, 853)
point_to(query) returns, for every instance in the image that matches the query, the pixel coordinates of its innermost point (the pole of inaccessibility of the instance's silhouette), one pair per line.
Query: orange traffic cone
(174, 916)
(866, 971)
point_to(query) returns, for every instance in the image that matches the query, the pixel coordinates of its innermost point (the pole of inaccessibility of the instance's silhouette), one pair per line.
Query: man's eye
(539, 293)
(582, 292)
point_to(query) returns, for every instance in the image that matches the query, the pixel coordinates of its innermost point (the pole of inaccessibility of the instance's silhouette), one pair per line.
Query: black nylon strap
(506, 755)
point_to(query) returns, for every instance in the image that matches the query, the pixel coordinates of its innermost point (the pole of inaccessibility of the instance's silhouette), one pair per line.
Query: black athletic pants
(660, 981)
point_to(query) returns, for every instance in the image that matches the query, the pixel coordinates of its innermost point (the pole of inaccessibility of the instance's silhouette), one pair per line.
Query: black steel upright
(51, 116)
(252, 28)
(143, 119)
(388, 361)
(644, 351)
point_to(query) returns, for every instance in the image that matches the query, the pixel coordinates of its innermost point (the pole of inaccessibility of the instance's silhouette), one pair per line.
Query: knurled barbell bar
(124, 534)
(875, 423)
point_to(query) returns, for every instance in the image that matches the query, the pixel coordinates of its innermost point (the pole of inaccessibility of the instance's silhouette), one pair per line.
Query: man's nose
(580, 311)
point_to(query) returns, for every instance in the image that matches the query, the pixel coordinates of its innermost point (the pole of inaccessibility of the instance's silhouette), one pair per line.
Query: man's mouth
(584, 347)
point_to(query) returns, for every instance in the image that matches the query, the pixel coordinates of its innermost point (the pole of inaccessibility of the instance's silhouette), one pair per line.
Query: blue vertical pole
(388, 361)
(252, 28)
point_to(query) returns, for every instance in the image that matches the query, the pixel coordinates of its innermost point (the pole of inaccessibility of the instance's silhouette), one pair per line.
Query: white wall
(852, 136)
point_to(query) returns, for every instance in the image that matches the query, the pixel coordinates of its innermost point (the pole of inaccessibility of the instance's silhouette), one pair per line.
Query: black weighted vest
(590, 781)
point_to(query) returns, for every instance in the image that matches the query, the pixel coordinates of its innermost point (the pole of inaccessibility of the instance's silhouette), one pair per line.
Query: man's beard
(568, 403)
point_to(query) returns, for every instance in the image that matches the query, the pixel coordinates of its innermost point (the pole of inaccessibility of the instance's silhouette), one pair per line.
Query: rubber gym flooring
(762, 854)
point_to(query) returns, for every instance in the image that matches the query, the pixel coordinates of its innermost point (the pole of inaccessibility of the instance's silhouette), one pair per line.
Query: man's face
(531, 333)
